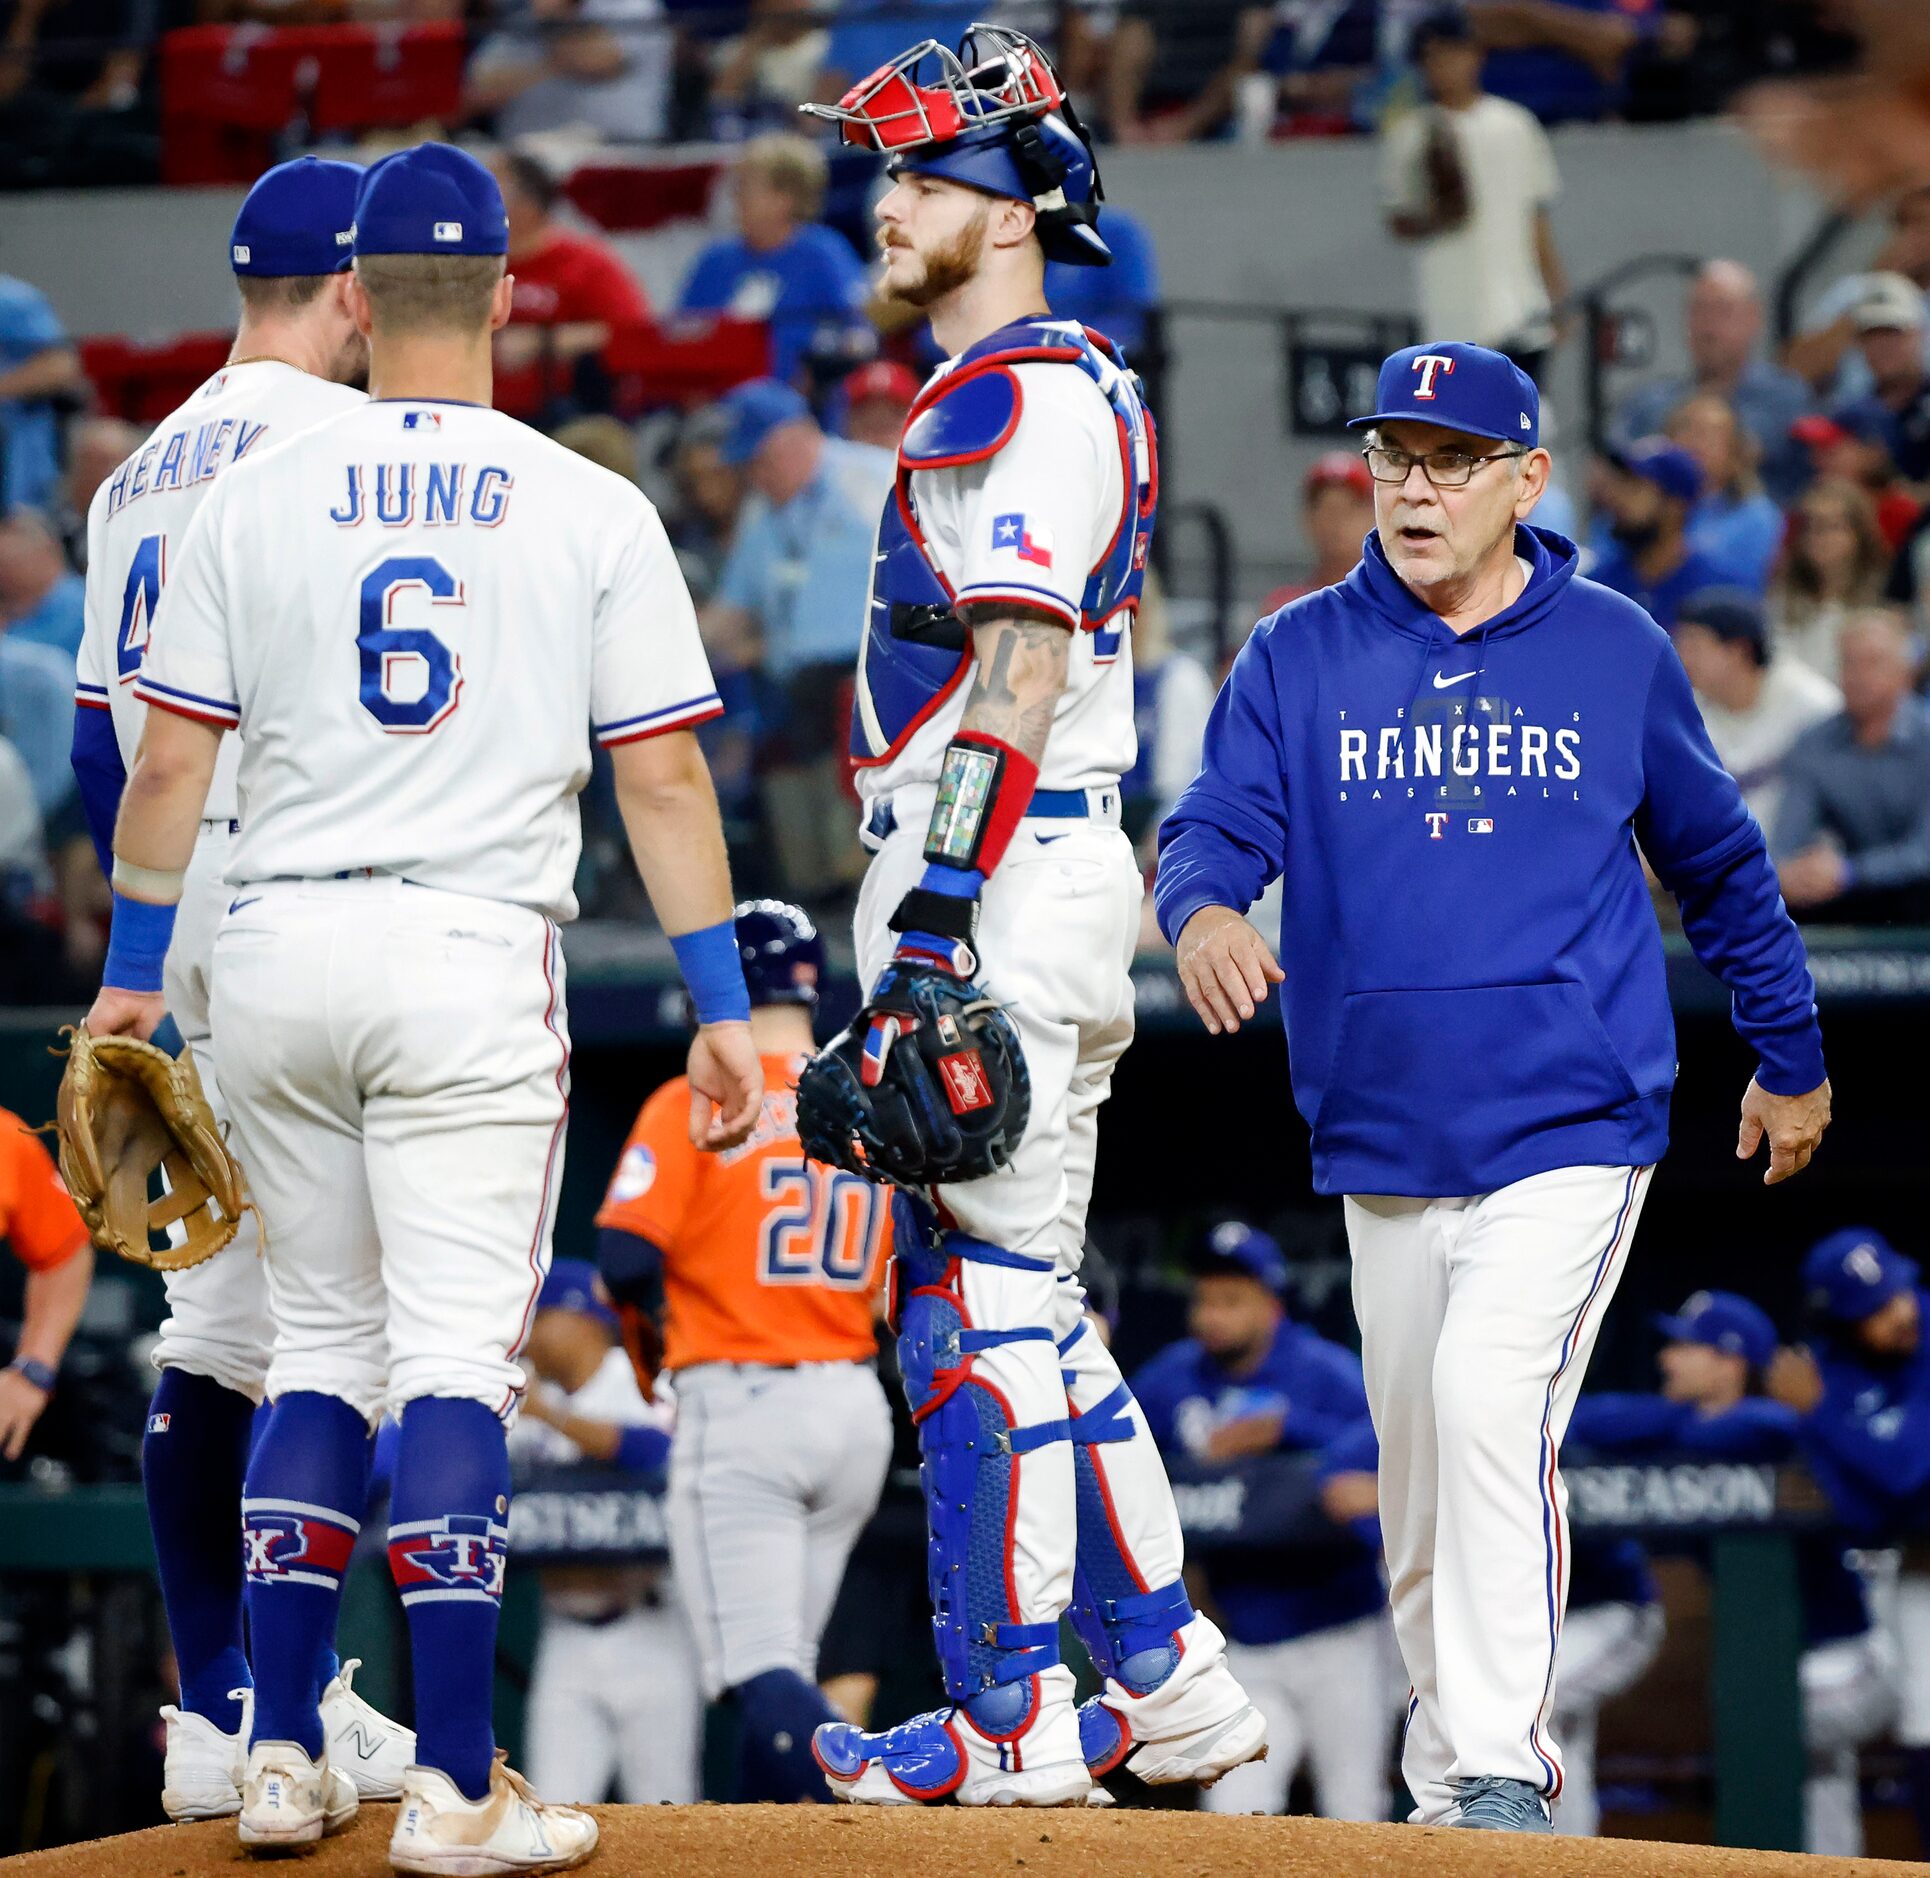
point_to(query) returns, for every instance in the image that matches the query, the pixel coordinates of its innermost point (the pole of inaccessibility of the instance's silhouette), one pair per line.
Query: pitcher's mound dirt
(944, 1842)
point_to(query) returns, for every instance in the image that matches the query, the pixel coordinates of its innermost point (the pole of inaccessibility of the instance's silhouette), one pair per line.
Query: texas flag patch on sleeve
(1030, 542)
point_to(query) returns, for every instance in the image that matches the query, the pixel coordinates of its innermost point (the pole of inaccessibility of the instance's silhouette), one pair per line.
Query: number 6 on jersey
(411, 681)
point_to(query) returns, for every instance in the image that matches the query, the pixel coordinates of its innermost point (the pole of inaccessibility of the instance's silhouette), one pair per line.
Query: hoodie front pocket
(1488, 1064)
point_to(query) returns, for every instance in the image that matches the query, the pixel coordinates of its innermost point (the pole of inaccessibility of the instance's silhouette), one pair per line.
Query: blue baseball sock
(300, 1513)
(193, 1460)
(448, 1547)
(780, 1712)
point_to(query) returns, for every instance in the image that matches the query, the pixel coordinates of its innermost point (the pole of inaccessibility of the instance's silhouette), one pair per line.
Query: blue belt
(1048, 805)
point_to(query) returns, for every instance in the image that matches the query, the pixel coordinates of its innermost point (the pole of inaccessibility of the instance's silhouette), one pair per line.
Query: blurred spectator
(42, 599)
(1719, 1350)
(1825, 352)
(783, 265)
(1852, 837)
(759, 77)
(96, 448)
(1755, 704)
(876, 398)
(71, 108)
(40, 1223)
(1336, 513)
(1724, 330)
(1834, 565)
(1734, 526)
(1567, 60)
(37, 365)
(1469, 180)
(592, 65)
(1647, 495)
(866, 34)
(791, 606)
(573, 284)
(709, 500)
(613, 1698)
(1177, 67)
(1909, 582)
(1854, 446)
(1172, 699)
(604, 440)
(1308, 1635)
(37, 716)
(1325, 59)
(1890, 318)
(1113, 300)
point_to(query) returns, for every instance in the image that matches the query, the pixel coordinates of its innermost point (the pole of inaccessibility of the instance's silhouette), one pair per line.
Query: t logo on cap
(1430, 365)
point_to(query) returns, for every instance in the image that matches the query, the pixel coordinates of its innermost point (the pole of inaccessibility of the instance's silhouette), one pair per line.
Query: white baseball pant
(397, 1063)
(217, 1323)
(772, 1476)
(1605, 1650)
(1330, 1700)
(1478, 1316)
(1849, 1697)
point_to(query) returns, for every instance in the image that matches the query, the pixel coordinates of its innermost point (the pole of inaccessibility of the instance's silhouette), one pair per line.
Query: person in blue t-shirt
(1311, 1644)
(1651, 492)
(1862, 1390)
(42, 599)
(1112, 300)
(1718, 1347)
(37, 364)
(784, 266)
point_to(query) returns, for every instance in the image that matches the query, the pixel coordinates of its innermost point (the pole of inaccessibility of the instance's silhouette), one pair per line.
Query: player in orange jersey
(48, 1238)
(768, 1267)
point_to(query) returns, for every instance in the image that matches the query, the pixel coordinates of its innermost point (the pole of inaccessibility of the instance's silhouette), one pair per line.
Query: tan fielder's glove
(126, 1108)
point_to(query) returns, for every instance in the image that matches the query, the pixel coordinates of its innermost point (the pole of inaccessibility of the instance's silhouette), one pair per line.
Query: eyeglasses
(1445, 469)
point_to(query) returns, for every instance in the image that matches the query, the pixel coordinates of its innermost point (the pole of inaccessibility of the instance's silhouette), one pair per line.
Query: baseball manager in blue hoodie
(1457, 759)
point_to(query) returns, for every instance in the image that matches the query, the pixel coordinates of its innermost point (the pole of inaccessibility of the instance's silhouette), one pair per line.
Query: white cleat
(288, 1800)
(204, 1768)
(1197, 1756)
(372, 1750)
(438, 1831)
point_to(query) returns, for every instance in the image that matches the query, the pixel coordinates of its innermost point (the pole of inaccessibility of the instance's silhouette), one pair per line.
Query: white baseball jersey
(413, 612)
(1028, 525)
(140, 515)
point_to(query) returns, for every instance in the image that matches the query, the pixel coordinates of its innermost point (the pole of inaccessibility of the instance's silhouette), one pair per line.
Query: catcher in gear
(127, 1111)
(993, 720)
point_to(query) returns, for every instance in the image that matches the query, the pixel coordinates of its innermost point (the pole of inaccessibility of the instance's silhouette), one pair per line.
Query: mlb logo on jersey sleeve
(1030, 542)
(636, 1174)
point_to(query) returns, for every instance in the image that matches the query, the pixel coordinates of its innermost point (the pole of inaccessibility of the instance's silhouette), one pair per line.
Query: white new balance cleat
(204, 1768)
(288, 1800)
(372, 1750)
(438, 1831)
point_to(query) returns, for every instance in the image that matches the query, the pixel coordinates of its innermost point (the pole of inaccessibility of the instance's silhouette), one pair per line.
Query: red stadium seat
(626, 197)
(370, 76)
(226, 91)
(684, 362)
(144, 383)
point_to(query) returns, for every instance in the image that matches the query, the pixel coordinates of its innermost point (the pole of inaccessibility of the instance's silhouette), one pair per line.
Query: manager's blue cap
(752, 411)
(573, 1285)
(1234, 1243)
(1667, 465)
(1855, 1272)
(299, 218)
(1725, 1322)
(1459, 387)
(432, 199)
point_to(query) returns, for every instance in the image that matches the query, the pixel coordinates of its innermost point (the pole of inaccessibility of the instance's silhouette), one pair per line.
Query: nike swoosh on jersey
(1442, 680)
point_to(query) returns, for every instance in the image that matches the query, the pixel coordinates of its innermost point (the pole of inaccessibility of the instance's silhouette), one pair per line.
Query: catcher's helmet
(782, 953)
(993, 116)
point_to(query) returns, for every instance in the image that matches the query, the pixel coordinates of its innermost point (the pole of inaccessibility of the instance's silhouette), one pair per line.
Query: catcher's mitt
(126, 1108)
(926, 1087)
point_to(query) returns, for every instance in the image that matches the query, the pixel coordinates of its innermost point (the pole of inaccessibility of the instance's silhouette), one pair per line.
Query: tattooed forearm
(1021, 672)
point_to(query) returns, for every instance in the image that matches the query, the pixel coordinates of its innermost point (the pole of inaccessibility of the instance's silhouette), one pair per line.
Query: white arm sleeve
(648, 672)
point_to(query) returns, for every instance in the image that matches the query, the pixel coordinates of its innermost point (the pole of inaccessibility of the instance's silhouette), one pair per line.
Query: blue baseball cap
(1725, 1322)
(752, 411)
(1855, 1272)
(1234, 1243)
(1667, 465)
(573, 1285)
(432, 199)
(1459, 387)
(299, 218)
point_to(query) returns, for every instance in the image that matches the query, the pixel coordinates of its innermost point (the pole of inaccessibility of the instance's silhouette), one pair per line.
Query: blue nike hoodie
(1475, 985)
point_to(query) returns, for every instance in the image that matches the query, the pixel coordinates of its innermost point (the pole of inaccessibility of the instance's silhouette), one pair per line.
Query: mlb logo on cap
(448, 231)
(241, 255)
(1460, 387)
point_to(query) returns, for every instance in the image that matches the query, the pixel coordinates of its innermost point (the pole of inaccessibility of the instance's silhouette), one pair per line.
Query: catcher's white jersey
(139, 516)
(415, 612)
(1028, 526)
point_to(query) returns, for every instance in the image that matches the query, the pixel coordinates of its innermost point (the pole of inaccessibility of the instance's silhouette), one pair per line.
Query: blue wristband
(956, 883)
(713, 973)
(137, 943)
